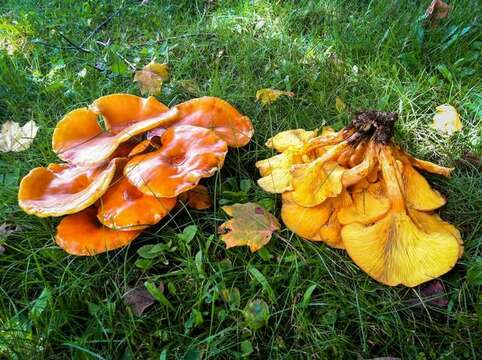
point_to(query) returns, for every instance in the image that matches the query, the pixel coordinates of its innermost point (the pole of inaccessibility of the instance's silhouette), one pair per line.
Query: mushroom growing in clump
(126, 161)
(356, 190)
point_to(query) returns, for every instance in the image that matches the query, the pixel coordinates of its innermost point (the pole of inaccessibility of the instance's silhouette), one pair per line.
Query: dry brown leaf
(7, 229)
(269, 96)
(437, 10)
(151, 78)
(250, 225)
(14, 137)
(139, 299)
(432, 292)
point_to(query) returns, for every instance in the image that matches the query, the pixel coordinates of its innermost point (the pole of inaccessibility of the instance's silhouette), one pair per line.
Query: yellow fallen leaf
(446, 120)
(339, 104)
(250, 225)
(269, 96)
(151, 78)
(14, 137)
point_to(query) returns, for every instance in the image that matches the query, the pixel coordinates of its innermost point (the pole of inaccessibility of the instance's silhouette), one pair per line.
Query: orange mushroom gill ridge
(214, 114)
(82, 234)
(197, 198)
(123, 207)
(61, 189)
(78, 138)
(188, 154)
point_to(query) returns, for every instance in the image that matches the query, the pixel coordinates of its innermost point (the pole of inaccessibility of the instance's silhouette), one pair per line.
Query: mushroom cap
(396, 251)
(188, 154)
(418, 193)
(317, 181)
(123, 207)
(61, 189)
(276, 170)
(422, 164)
(122, 110)
(367, 207)
(197, 198)
(215, 114)
(78, 138)
(277, 182)
(317, 223)
(83, 235)
(304, 221)
(431, 222)
(143, 147)
(290, 138)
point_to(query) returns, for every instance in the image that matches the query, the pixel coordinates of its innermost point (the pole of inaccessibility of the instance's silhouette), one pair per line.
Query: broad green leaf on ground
(250, 225)
(269, 96)
(151, 78)
(39, 304)
(188, 233)
(447, 120)
(256, 314)
(14, 137)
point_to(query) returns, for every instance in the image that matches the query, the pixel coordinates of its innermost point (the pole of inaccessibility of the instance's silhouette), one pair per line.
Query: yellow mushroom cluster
(356, 190)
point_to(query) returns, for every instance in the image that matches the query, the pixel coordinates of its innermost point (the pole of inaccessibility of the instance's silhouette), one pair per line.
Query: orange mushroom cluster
(127, 161)
(356, 190)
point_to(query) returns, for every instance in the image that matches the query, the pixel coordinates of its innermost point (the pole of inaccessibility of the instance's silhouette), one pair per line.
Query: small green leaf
(198, 260)
(192, 354)
(188, 233)
(157, 294)
(163, 355)
(445, 72)
(232, 297)
(119, 67)
(256, 314)
(145, 264)
(172, 288)
(195, 319)
(152, 251)
(245, 185)
(307, 296)
(474, 274)
(39, 304)
(246, 348)
(264, 283)
(265, 254)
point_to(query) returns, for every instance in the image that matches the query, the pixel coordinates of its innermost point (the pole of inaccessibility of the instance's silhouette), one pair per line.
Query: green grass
(230, 49)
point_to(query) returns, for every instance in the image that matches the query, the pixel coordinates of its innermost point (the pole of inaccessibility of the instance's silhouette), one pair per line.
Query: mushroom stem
(389, 170)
